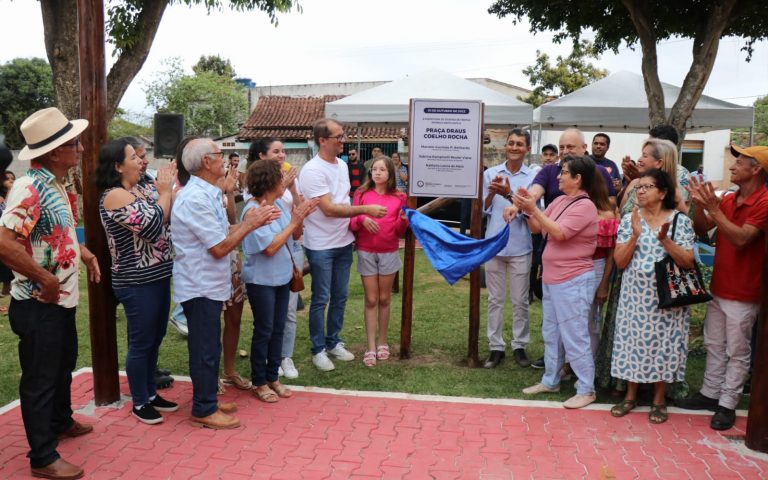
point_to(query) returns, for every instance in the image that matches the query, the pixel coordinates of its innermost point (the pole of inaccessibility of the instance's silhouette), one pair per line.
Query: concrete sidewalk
(321, 434)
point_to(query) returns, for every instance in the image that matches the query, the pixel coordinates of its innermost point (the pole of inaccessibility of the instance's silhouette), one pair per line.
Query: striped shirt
(139, 242)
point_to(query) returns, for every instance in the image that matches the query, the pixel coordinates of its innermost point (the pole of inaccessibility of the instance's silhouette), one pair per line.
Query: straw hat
(47, 129)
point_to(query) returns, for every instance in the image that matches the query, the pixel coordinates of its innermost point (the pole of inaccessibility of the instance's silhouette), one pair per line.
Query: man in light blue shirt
(202, 279)
(514, 261)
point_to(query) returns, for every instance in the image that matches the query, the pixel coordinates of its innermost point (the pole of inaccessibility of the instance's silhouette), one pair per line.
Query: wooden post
(408, 271)
(757, 421)
(93, 107)
(474, 276)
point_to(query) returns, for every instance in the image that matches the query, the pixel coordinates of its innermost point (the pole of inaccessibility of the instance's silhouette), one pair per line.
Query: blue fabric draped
(451, 253)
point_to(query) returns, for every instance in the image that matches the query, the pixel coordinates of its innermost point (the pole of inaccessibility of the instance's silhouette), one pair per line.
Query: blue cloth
(270, 308)
(199, 222)
(258, 267)
(330, 288)
(451, 253)
(146, 310)
(519, 242)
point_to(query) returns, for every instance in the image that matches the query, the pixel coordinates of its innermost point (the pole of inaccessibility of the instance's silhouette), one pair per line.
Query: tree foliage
(567, 75)
(212, 104)
(645, 23)
(26, 85)
(215, 64)
(131, 26)
(124, 124)
(761, 120)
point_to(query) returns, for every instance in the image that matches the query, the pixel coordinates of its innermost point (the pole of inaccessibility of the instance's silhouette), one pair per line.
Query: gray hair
(575, 131)
(135, 142)
(192, 156)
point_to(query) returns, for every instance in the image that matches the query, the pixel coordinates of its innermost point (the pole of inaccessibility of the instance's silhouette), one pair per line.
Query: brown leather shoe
(77, 429)
(218, 420)
(228, 407)
(60, 469)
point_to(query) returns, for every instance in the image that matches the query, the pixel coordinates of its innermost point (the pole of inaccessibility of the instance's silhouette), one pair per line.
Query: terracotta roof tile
(291, 118)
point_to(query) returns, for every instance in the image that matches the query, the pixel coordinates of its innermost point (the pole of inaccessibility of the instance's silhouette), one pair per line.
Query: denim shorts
(369, 264)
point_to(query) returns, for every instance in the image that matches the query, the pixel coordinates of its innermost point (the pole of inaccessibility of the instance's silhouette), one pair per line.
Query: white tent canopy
(389, 103)
(618, 103)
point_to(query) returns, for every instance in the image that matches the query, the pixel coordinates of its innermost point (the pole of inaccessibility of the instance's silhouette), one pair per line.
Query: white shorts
(369, 264)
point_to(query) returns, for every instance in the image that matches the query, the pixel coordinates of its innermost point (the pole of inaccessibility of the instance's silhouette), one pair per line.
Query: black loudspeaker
(169, 131)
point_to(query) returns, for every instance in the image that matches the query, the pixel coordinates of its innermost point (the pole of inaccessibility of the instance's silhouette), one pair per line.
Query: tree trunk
(61, 39)
(705, 45)
(641, 19)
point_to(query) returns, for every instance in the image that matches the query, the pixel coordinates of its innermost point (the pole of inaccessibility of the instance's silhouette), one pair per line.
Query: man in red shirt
(357, 172)
(741, 219)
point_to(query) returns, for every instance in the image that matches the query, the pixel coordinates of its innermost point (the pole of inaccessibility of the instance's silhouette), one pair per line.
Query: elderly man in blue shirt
(202, 279)
(514, 261)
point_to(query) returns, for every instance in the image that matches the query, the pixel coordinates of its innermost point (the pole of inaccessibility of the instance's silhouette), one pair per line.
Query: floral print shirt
(39, 211)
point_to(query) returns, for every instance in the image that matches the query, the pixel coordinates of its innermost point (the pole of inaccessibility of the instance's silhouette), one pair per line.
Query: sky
(362, 40)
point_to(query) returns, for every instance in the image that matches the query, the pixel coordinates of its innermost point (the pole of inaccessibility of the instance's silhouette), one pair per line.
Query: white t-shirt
(318, 178)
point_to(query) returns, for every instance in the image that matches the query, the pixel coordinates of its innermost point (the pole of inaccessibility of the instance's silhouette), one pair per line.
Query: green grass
(439, 347)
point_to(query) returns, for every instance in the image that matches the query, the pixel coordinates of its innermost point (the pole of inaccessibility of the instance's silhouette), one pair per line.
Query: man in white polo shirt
(328, 241)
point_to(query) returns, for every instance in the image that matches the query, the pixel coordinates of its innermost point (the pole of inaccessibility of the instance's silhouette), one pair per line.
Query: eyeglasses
(216, 153)
(339, 138)
(644, 188)
(565, 172)
(75, 143)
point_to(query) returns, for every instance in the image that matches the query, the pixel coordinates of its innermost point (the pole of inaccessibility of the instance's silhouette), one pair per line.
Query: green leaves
(567, 75)
(26, 85)
(212, 104)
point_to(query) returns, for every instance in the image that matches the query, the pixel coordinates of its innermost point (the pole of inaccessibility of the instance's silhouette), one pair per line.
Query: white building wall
(631, 144)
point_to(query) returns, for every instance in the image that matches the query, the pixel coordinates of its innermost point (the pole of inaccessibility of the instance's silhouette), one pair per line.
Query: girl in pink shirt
(378, 256)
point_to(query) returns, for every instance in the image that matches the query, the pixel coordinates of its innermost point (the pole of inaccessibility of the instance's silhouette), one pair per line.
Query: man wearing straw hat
(38, 242)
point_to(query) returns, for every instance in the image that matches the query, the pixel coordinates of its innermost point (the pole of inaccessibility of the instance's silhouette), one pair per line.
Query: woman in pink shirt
(569, 225)
(378, 256)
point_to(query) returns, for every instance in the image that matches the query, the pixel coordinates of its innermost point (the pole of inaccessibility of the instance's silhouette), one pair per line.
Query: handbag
(543, 244)
(676, 286)
(297, 277)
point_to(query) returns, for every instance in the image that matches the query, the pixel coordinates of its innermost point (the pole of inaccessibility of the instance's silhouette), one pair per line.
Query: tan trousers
(497, 271)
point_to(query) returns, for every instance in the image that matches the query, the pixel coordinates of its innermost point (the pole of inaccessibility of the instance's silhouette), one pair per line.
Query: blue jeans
(565, 312)
(146, 311)
(204, 345)
(270, 307)
(330, 286)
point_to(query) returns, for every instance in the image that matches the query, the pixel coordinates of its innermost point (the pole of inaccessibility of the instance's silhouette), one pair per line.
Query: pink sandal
(382, 352)
(369, 359)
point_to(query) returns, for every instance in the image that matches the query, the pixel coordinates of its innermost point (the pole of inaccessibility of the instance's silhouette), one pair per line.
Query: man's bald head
(572, 142)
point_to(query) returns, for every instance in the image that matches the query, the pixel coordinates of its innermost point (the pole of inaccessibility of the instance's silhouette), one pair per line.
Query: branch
(641, 19)
(705, 46)
(132, 58)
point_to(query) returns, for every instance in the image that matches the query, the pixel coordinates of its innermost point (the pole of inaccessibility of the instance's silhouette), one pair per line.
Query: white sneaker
(322, 362)
(288, 368)
(280, 371)
(181, 327)
(342, 353)
(540, 388)
(579, 401)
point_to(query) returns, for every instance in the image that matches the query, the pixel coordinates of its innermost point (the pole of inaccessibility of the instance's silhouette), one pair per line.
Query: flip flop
(281, 390)
(237, 381)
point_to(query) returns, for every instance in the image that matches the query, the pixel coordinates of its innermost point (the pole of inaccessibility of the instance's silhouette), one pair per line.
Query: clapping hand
(663, 232)
(524, 201)
(264, 215)
(629, 169)
(302, 211)
(637, 227)
(703, 194)
(230, 179)
(500, 186)
(166, 177)
(289, 176)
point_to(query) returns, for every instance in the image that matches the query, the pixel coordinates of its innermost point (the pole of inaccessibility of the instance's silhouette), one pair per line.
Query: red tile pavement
(361, 435)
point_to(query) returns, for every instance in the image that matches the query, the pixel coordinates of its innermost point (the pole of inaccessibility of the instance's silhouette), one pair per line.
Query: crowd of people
(584, 233)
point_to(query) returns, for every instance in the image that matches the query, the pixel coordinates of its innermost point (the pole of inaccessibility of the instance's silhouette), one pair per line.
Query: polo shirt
(547, 178)
(737, 274)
